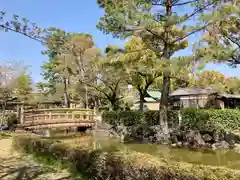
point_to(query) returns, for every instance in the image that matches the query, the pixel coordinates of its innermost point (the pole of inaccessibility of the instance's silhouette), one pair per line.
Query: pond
(227, 158)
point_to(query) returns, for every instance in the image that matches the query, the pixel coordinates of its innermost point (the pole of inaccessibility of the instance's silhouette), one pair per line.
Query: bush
(11, 119)
(212, 120)
(121, 165)
(129, 118)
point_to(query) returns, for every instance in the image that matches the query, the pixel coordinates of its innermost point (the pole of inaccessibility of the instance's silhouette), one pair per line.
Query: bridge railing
(58, 116)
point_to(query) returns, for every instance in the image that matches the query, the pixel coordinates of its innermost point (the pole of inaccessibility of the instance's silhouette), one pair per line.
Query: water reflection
(227, 158)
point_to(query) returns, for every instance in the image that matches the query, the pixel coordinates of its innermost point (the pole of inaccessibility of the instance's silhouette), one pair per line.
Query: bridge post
(21, 114)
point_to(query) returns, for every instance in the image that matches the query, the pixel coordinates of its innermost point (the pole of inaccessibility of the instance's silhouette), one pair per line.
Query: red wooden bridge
(57, 118)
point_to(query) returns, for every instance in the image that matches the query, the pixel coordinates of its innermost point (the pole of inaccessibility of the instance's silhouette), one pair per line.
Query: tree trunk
(141, 102)
(163, 107)
(85, 91)
(66, 97)
(86, 96)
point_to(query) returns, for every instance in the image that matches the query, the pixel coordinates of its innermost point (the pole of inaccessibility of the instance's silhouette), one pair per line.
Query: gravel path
(14, 166)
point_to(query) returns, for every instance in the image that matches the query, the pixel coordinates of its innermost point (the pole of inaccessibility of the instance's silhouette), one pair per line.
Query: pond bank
(16, 166)
(123, 164)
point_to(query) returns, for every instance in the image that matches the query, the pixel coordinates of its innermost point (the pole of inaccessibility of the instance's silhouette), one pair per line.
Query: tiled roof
(193, 91)
(236, 96)
(154, 94)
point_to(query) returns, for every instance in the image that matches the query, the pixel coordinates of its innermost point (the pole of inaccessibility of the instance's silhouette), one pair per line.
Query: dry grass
(15, 166)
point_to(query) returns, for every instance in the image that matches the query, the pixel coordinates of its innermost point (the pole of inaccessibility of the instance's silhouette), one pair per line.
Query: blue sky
(71, 15)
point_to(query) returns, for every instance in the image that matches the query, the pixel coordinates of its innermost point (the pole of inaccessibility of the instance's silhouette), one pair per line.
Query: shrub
(120, 165)
(129, 118)
(11, 119)
(211, 119)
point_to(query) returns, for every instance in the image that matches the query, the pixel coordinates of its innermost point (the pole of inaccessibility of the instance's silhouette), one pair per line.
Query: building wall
(153, 106)
(201, 101)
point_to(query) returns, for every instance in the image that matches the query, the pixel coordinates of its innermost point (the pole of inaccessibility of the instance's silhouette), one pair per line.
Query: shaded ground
(14, 166)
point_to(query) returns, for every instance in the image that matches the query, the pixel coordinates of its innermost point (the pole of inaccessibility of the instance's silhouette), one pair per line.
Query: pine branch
(233, 41)
(22, 33)
(155, 34)
(191, 33)
(198, 10)
(184, 3)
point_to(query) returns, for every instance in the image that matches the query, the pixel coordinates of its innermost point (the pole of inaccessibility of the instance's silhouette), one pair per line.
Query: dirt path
(14, 166)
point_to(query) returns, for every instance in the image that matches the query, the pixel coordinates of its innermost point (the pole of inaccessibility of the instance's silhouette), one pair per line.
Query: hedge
(211, 120)
(129, 118)
(119, 165)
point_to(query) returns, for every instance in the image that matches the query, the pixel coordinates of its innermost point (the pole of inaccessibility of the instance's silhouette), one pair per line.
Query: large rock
(221, 145)
(231, 138)
(236, 147)
(207, 138)
(195, 138)
(218, 136)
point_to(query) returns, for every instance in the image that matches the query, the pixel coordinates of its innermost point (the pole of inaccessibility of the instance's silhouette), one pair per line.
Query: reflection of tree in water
(227, 158)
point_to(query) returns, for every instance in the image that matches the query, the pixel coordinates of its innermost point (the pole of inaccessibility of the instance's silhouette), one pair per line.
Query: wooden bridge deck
(58, 118)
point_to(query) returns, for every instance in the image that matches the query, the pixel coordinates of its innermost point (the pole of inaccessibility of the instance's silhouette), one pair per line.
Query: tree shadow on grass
(15, 168)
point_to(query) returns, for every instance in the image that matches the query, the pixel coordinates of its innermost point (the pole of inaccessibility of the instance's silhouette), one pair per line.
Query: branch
(233, 41)
(22, 33)
(184, 3)
(198, 10)
(190, 33)
(155, 34)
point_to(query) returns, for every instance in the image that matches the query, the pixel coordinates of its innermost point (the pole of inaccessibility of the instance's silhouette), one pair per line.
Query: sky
(72, 16)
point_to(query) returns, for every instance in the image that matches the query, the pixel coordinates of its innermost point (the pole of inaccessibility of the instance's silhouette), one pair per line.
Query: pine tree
(222, 39)
(163, 28)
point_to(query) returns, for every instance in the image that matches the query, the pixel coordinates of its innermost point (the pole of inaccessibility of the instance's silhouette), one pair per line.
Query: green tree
(76, 58)
(53, 71)
(212, 79)
(110, 81)
(162, 27)
(23, 86)
(142, 68)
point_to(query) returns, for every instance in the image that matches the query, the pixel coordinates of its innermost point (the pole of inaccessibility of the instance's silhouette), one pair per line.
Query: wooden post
(21, 114)
(50, 115)
(66, 115)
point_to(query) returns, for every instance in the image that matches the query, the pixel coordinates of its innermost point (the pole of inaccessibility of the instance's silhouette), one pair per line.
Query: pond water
(227, 158)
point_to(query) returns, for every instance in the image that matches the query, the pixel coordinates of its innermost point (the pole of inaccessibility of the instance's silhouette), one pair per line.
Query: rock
(186, 144)
(207, 145)
(174, 145)
(231, 138)
(195, 138)
(151, 139)
(236, 147)
(207, 137)
(221, 145)
(145, 140)
(218, 136)
(179, 144)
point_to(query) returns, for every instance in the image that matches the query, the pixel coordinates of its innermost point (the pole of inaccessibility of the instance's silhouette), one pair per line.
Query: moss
(117, 165)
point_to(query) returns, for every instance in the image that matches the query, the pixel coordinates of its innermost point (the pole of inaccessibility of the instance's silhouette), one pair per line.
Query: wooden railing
(58, 117)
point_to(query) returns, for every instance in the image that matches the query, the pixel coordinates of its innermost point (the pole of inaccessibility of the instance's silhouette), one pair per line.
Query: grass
(118, 164)
(4, 135)
(47, 160)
